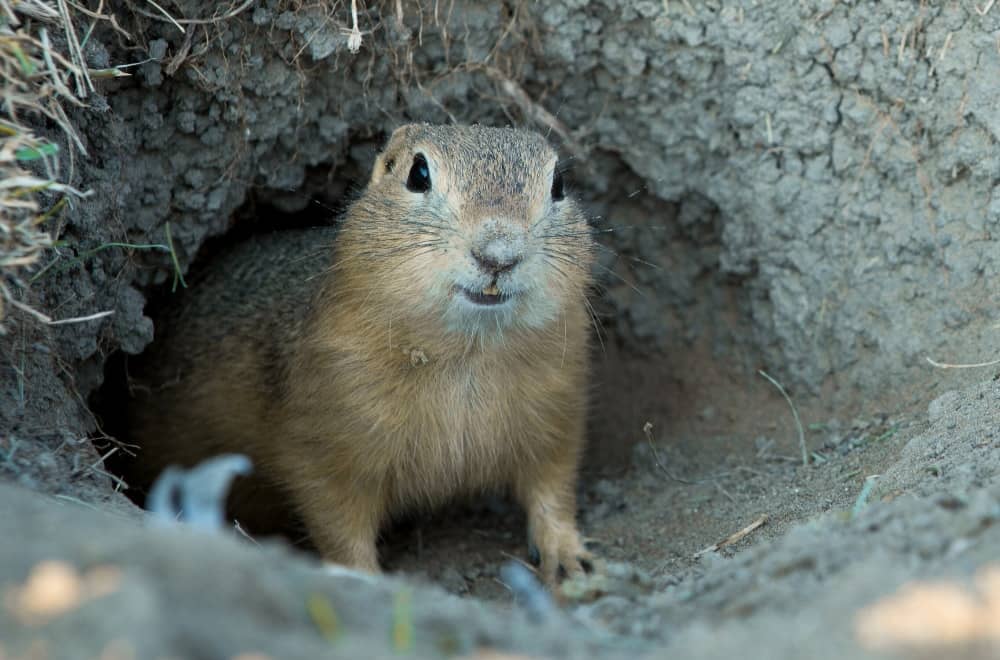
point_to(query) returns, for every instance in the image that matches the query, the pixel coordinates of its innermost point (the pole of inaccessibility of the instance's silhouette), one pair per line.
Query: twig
(42, 184)
(78, 501)
(354, 36)
(83, 82)
(733, 538)
(866, 490)
(242, 532)
(520, 561)
(37, 10)
(28, 309)
(166, 14)
(725, 492)
(100, 461)
(946, 365)
(180, 22)
(47, 56)
(795, 413)
(45, 318)
(647, 428)
(82, 319)
(181, 55)
(110, 18)
(534, 111)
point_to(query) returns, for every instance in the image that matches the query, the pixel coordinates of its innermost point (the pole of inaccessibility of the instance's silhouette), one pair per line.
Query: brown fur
(342, 377)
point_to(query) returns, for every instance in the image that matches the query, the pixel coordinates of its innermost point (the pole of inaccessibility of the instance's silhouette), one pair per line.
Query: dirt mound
(829, 581)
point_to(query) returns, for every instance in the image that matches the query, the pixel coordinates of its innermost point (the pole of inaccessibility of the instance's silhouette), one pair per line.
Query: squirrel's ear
(386, 161)
(400, 133)
(383, 165)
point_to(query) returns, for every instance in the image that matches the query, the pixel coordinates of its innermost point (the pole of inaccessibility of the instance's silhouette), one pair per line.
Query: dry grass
(37, 81)
(43, 70)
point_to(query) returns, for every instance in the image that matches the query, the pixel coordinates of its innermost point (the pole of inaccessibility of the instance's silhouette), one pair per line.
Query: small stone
(453, 581)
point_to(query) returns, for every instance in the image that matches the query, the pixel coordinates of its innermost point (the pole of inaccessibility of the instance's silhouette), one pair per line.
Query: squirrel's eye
(558, 193)
(419, 180)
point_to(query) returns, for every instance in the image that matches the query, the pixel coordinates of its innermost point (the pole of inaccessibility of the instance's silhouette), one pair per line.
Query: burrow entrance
(673, 385)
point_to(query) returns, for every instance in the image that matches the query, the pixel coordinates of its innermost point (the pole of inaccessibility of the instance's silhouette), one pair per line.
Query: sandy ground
(826, 575)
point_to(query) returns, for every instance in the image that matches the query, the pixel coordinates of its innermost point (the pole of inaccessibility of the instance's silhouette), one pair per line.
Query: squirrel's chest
(440, 432)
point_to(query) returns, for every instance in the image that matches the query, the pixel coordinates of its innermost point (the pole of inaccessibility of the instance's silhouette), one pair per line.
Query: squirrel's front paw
(560, 554)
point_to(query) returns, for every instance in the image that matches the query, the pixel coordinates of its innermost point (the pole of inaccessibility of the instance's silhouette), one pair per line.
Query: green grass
(25, 154)
(178, 275)
(62, 262)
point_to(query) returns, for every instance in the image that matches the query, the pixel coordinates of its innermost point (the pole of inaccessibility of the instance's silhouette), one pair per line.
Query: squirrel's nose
(496, 257)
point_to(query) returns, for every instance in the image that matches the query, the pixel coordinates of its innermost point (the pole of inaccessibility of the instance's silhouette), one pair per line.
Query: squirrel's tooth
(491, 290)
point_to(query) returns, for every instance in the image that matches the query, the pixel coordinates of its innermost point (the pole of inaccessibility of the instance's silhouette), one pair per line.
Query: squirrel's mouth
(490, 295)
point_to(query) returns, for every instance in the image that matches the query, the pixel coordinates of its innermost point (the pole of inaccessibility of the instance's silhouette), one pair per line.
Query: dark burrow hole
(660, 296)
(319, 203)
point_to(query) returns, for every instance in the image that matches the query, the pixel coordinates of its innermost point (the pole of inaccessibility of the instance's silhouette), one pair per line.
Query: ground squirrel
(435, 344)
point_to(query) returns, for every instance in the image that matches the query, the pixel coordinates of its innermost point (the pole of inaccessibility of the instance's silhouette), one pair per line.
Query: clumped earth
(807, 190)
(820, 577)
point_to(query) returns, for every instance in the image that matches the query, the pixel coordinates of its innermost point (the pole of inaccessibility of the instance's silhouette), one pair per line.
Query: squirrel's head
(471, 226)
